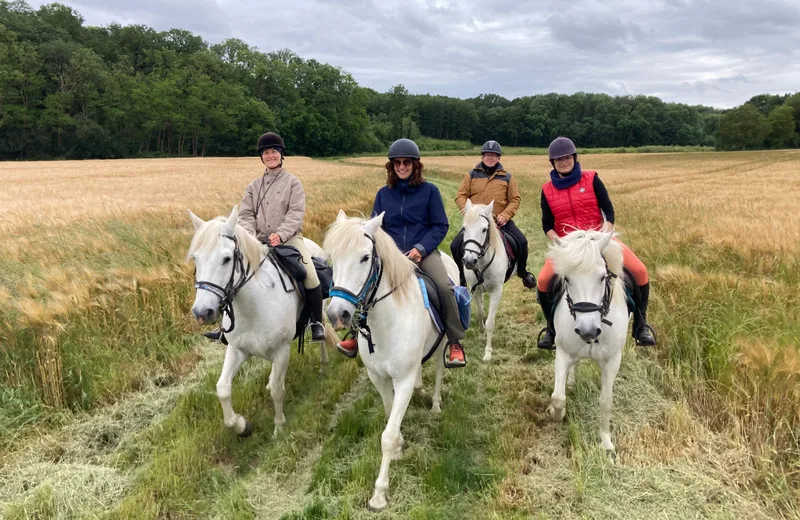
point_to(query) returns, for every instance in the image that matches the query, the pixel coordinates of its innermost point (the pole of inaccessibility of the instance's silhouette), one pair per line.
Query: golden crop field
(107, 401)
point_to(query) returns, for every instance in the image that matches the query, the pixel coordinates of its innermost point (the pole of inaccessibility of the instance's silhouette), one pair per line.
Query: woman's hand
(501, 220)
(607, 227)
(274, 240)
(414, 255)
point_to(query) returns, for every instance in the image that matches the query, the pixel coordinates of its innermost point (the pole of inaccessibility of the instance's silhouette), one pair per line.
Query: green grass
(491, 453)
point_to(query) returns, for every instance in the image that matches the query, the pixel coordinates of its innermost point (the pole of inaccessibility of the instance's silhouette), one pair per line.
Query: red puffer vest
(576, 206)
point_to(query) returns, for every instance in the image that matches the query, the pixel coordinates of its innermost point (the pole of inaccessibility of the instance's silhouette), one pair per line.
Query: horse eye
(364, 259)
(226, 260)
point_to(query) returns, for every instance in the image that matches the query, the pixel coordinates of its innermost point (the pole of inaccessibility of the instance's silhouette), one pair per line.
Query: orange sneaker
(348, 347)
(456, 359)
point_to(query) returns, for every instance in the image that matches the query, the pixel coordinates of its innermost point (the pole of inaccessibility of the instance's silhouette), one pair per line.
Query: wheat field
(107, 403)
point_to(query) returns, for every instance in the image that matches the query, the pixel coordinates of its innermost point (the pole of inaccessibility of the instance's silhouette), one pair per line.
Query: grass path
(492, 453)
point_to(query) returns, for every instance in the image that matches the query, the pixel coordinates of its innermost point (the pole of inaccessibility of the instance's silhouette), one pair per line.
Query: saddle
(288, 260)
(511, 251)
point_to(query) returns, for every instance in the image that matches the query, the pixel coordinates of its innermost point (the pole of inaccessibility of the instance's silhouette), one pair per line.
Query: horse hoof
(487, 358)
(556, 415)
(436, 408)
(377, 503)
(248, 430)
(612, 456)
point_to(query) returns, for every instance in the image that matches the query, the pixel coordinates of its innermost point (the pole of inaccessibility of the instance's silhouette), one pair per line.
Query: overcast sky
(711, 52)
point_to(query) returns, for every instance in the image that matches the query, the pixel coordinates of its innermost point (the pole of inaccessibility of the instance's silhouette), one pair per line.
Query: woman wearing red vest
(577, 199)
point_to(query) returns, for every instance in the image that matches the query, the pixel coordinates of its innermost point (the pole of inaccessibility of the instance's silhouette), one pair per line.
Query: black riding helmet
(271, 140)
(491, 147)
(404, 148)
(560, 147)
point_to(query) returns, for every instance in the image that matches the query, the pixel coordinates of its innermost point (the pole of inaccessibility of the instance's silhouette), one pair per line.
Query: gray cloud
(710, 52)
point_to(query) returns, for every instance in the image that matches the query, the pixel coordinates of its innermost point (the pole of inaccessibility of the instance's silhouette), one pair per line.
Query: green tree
(781, 126)
(742, 128)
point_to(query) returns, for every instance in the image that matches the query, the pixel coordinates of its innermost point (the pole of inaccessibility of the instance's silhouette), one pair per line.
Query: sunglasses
(403, 162)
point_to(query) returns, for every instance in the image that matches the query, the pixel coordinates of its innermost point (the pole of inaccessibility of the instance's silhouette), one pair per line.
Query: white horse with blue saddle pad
(372, 277)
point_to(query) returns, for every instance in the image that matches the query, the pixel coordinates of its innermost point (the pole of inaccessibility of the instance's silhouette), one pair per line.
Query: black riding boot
(528, 280)
(314, 302)
(642, 332)
(547, 336)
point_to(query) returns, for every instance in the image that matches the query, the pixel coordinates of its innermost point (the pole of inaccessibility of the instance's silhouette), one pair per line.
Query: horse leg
(608, 373)
(276, 387)
(391, 440)
(418, 382)
(494, 304)
(233, 362)
(479, 310)
(571, 373)
(558, 400)
(437, 387)
(384, 387)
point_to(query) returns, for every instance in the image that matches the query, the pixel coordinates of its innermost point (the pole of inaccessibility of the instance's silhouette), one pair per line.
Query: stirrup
(321, 327)
(216, 335)
(349, 353)
(652, 333)
(453, 364)
(539, 339)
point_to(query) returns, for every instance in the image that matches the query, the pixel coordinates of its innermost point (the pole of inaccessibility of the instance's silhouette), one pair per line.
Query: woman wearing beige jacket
(272, 210)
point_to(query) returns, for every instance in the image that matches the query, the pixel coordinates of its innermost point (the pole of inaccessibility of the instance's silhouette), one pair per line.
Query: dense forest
(68, 90)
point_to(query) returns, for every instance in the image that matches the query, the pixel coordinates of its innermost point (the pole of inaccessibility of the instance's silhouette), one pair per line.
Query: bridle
(366, 297)
(481, 252)
(228, 293)
(605, 304)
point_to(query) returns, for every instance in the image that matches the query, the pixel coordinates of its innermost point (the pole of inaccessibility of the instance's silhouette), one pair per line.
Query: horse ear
(341, 216)
(468, 206)
(197, 221)
(605, 240)
(373, 224)
(230, 225)
(487, 211)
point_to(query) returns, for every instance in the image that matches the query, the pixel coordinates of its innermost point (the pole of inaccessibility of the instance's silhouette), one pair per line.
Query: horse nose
(589, 335)
(204, 315)
(469, 262)
(339, 319)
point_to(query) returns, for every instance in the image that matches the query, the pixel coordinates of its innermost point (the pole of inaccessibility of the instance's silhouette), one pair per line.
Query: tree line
(68, 90)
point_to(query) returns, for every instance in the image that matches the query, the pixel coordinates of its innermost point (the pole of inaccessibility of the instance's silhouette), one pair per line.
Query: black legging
(513, 230)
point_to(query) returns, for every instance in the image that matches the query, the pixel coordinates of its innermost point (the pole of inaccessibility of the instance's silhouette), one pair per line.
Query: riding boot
(547, 336)
(314, 302)
(642, 332)
(528, 280)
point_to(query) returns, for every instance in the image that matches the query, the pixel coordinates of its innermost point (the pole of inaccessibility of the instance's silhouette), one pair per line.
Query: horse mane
(207, 237)
(347, 236)
(474, 214)
(579, 251)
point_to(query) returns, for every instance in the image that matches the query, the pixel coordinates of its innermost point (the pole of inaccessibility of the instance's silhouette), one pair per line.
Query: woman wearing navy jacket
(415, 218)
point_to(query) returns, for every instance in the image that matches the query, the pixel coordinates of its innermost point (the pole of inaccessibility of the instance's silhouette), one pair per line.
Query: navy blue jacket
(414, 217)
